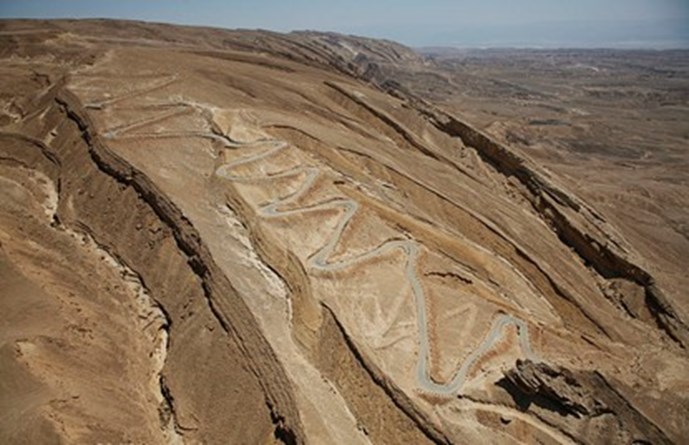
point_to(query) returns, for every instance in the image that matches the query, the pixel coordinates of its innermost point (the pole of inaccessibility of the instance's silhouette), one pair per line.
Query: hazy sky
(618, 23)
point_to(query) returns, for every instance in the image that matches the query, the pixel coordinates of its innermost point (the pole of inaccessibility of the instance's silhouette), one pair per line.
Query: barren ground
(213, 236)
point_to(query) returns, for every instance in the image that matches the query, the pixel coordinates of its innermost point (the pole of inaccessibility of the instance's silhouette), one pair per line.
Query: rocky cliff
(215, 236)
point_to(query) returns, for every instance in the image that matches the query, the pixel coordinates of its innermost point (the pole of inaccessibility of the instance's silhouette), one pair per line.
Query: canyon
(220, 236)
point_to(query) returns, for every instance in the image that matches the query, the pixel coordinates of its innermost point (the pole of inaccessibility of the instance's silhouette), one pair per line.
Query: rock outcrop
(254, 237)
(604, 414)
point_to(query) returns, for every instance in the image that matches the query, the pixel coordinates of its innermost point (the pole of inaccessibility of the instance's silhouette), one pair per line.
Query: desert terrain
(612, 125)
(218, 236)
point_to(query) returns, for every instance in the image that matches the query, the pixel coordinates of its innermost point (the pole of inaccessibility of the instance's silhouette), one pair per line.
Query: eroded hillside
(218, 236)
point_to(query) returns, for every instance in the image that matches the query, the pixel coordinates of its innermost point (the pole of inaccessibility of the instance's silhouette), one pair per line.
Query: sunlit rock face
(214, 236)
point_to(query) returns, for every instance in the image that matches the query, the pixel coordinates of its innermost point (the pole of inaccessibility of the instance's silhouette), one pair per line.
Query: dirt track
(335, 261)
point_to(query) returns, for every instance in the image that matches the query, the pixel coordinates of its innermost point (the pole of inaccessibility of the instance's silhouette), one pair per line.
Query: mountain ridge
(137, 135)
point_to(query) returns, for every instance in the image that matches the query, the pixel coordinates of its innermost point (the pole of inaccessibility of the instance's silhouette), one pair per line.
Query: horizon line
(648, 45)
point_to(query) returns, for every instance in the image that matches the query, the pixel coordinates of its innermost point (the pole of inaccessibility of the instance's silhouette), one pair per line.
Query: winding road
(320, 261)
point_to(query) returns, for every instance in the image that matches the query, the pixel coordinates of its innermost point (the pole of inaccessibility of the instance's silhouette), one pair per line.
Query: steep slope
(328, 262)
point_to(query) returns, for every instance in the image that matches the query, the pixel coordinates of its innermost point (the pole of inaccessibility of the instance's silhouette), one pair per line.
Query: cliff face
(250, 237)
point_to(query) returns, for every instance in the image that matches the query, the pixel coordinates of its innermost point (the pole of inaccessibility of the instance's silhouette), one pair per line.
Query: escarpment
(583, 395)
(577, 225)
(213, 337)
(285, 247)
